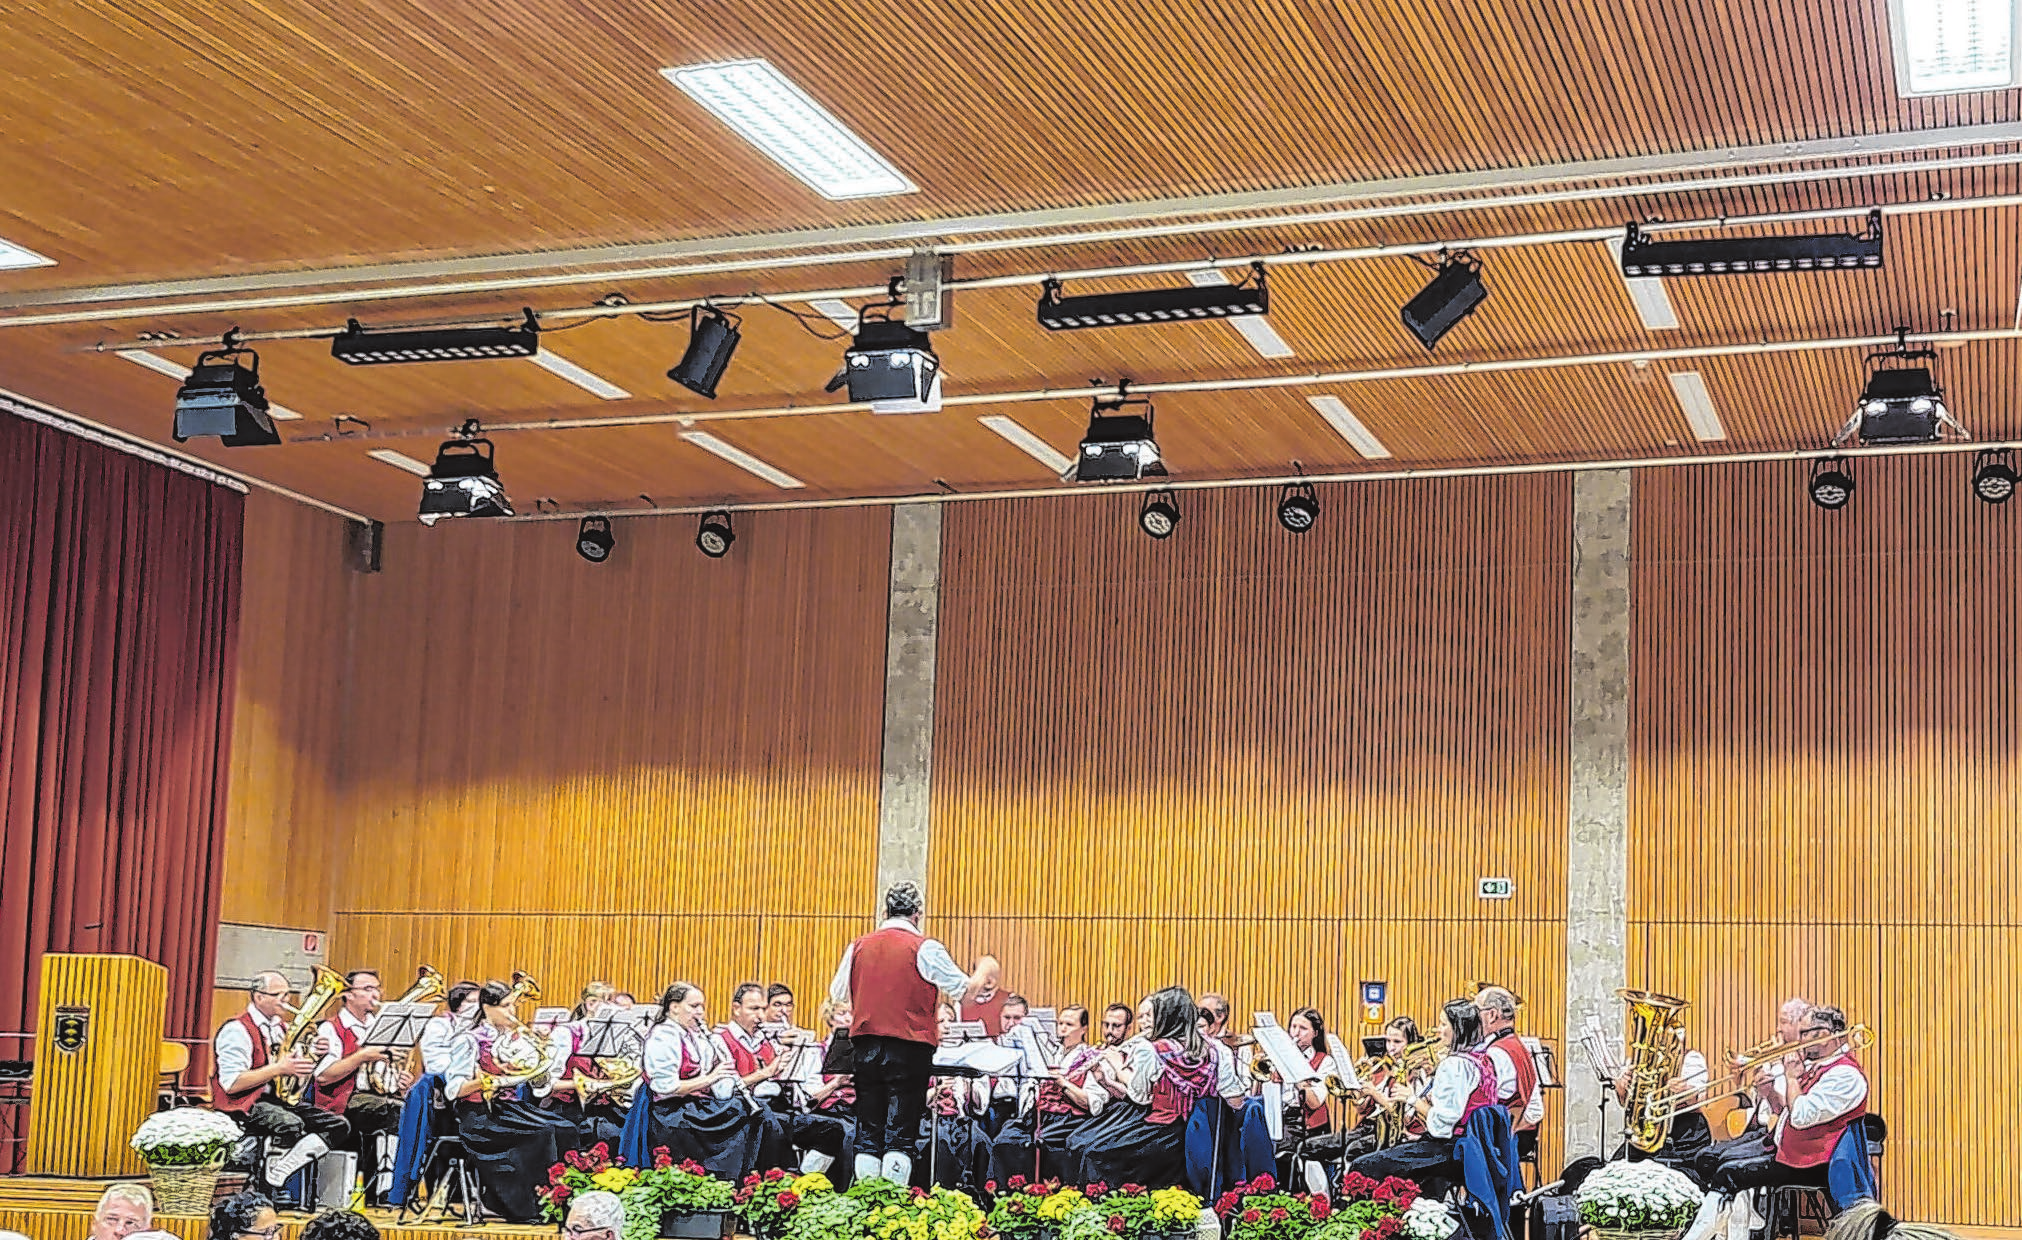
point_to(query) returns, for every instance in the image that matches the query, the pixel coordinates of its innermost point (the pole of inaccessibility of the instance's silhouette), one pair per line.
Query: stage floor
(50, 1208)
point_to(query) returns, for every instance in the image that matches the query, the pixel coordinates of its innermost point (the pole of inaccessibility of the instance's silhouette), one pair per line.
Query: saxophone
(301, 1031)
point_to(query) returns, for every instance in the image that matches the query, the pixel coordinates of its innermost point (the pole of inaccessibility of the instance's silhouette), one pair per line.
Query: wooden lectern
(97, 1056)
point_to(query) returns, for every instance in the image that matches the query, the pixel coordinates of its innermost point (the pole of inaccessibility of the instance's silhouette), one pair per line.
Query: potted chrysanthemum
(1638, 1201)
(184, 1150)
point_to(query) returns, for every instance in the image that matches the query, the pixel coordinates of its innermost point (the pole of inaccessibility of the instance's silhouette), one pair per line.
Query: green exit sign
(1494, 888)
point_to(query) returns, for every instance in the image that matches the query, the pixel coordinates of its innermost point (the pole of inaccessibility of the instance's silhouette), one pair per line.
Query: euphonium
(301, 1030)
(1261, 1069)
(383, 1076)
(1656, 1048)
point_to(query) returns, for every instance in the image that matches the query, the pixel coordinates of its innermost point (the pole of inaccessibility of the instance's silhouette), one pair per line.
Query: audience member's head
(340, 1225)
(122, 1210)
(593, 1216)
(244, 1216)
(1868, 1221)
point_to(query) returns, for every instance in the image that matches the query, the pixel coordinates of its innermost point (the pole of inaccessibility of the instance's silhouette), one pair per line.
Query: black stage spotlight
(1727, 256)
(1832, 483)
(463, 481)
(891, 366)
(1120, 445)
(594, 541)
(1298, 509)
(714, 535)
(1058, 312)
(225, 399)
(1901, 403)
(1994, 475)
(360, 347)
(1452, 296)
(712, 338)
(1159, 516)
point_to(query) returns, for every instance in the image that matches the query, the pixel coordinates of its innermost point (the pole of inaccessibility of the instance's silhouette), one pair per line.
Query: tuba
(383, 1076)
(301, 1031)
(1656, 1048)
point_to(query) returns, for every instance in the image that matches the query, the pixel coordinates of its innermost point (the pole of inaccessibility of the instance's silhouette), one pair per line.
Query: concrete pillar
(1597, 819)
(911, 624)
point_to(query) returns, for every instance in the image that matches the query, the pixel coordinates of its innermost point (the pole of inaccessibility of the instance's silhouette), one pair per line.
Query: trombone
(1858, 1037)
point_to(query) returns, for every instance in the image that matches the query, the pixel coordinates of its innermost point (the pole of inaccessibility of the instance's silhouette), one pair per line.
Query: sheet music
(545, 1019)
(1048, 1020)
(960, 1031)
(397, 1026)
(1344, 1063)
(1545, 1059)
(801, 1063)
(1277, 1046)
(984, 1056)
(615, 1031)
(1036, 1057)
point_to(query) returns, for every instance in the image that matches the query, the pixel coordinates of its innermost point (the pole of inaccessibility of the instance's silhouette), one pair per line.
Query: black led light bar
(1058, 312)
(1724, 256)
(360, 347)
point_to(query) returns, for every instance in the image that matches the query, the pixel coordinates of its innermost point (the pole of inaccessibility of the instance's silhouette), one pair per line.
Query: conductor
(893, 979)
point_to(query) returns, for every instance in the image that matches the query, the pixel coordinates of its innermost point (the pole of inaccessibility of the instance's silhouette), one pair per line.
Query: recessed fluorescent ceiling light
(400, 460)
(562, 367)
(1652, 302)
(742, 459)
(840, 313)
(1690, 388)
(786, 123)
(150, 360)
(14, 256)
(1255, 328)
(1028, 443)
(1948, 46)
(1348, 426)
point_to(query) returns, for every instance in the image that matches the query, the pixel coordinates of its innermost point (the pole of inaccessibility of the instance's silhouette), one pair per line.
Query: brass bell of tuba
(1656, 1049)
(301, 1031)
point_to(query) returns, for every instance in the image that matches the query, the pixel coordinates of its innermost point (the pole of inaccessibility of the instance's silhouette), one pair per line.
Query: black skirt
(1011, 1152)
(597, 1122)
(1129, 1150)
(513, 1144)
(728, 1137)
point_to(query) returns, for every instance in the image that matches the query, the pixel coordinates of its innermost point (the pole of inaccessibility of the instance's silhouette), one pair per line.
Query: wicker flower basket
(185, 1189)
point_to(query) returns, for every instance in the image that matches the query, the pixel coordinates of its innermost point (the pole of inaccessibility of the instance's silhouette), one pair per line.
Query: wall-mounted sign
(1494, 888)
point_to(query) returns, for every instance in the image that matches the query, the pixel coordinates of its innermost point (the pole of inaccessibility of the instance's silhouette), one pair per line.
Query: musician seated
(1830, 1095)
(1229, 1139)
(1689, 1137)
(1304, 1106)
(1167, 1070)
(441, 1031)
(779, 1010)
(1463, 1083)
(340, 1087)
(953, 1150)
(1008, 1094)
(1375, 1120)
(756, 1054)
(601, 1116)
(701, 1108)
(1034, 1143)
(834, 1096)
(493, 1075)
(250, 1067)
(1768, 1087)
(1516, 1072)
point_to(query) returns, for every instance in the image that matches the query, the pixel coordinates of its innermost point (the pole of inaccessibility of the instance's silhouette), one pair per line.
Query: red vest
(1317, 1119)
(990, 1011)
(1526, 1078)
(580, 1063)
(1484, 1094)
(243, 1102)
(1181, 1083)
(1812, 1147)
(1052, 1098)
(747, 1062)
(888, 997)
(332, 1096)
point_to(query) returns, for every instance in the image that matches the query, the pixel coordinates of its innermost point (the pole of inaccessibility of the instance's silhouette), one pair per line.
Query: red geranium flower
(1133, 1190)
(555, 1174)
(1098, 1189)
(1389, 1227)
(1226, 1202)
(1017, 1181)
(774, 1176)
(1319, 1206)
(561, 1193)
(788, 1200)
(919, 1193)
(1035, 1190)
(1252, 1214)
(1357, 1184)
(691, 1166)
(601, 1149)
(1280, 1214)
(1116, 1223)
(989, 1186)
(1384, 1192)
(1264, 1183)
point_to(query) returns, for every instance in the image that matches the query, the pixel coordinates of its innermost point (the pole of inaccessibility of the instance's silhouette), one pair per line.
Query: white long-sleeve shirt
(1506, 1086)
(233, 1048)
(1230, 1083)
(1452, 1085)
(933, 960)
(438, 1042)
(1839, 1090)
(328, 1032)
(662, 1059)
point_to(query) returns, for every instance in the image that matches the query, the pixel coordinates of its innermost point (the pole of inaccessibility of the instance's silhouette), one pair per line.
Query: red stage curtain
(119, 600)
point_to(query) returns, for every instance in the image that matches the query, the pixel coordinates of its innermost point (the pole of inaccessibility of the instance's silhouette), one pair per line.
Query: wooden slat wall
(1827, 770)
(660, 767)
(1252, 762)
(281, 817)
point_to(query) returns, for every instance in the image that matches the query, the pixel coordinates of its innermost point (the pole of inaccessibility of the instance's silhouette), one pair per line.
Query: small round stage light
(1993, 477)
(714, 535)
(1831, 485)
(1159, 516)
(593, 539)
(1297, 507)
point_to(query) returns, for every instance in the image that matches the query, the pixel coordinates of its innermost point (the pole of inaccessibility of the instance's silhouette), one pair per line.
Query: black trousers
(601, 1121)
(1707, 1163)
(1017, 1147)
(284, 1125)
(369, 1115)
(1763, 1171)
(891, 1081)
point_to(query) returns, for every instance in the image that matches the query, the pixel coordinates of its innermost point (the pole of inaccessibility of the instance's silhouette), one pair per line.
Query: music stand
(396, 1028)
(612, 1033)
(841, 1057)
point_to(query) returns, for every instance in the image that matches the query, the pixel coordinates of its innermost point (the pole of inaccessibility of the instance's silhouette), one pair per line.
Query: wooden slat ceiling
(155, 141)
